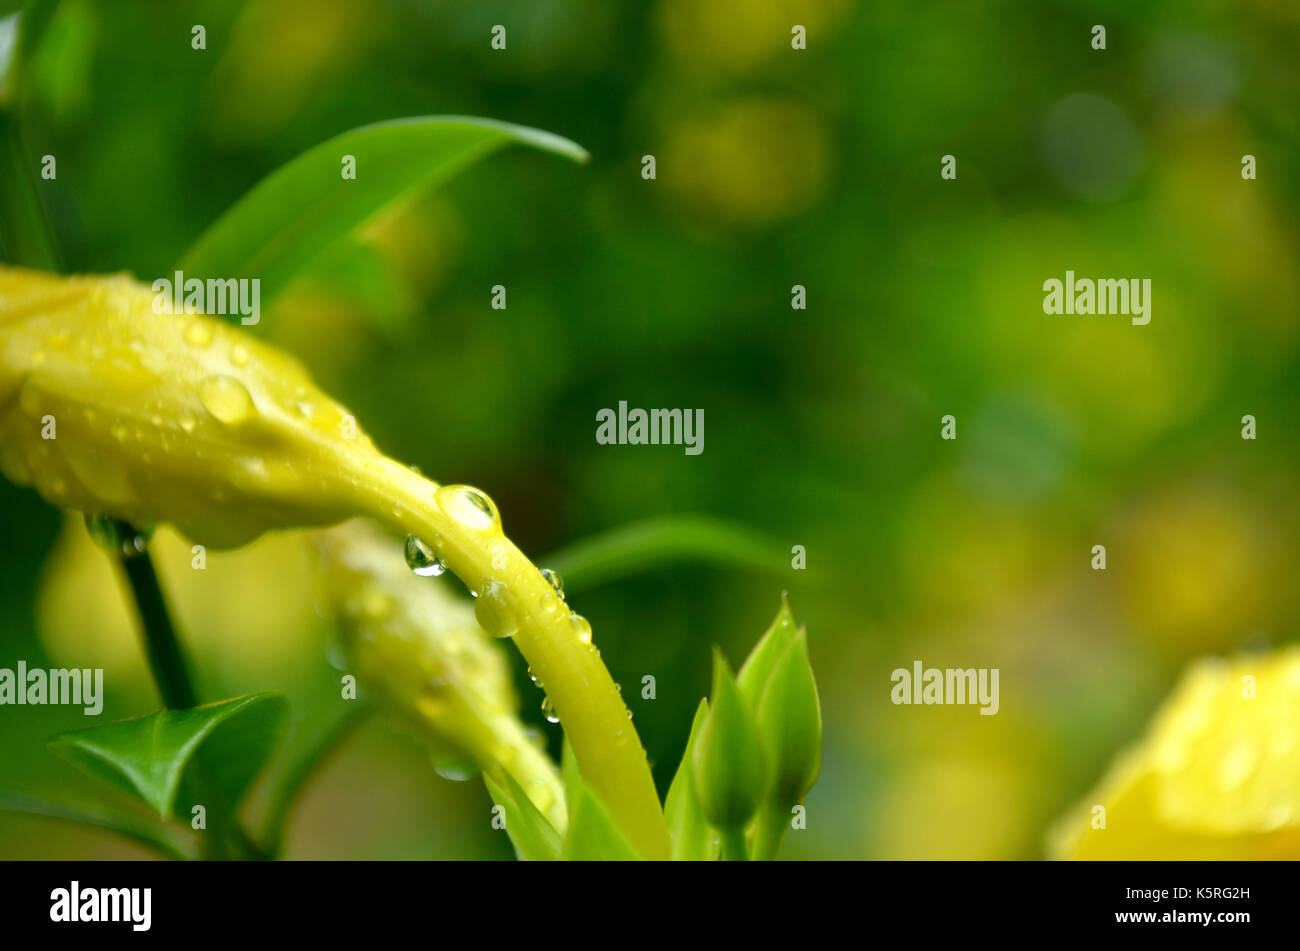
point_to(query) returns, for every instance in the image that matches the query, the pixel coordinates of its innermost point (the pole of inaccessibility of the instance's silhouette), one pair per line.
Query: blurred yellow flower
(1216, 777)
(246, 613)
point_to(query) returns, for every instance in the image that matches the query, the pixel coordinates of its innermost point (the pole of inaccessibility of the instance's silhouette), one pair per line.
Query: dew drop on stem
(422, 559)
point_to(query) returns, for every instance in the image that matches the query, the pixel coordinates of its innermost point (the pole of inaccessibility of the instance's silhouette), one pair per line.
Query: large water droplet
(548, 711)
(554, 580)
(226, 399)
(422, 559)
(493, 611)
(581, 627)
(469, 506)
(455, 770)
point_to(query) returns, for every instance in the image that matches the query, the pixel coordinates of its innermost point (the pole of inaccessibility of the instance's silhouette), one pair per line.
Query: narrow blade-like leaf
(298, 211)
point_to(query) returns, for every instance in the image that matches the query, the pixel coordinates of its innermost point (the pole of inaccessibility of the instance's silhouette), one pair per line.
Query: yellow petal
(1218, 775)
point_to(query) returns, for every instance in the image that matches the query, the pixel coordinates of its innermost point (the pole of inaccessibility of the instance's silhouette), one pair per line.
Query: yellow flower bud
(417, 649)
(109, 407)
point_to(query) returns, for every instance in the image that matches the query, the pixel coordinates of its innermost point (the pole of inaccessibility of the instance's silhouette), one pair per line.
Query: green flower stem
(161, 646)
(769, 830)
(224, 837)
(733, 845)
(590, 708)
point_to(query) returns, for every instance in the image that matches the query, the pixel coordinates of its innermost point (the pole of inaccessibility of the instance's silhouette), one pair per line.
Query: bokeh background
(775, 168)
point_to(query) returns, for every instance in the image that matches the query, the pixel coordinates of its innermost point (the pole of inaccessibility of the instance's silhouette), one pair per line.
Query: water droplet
(581, 627)
(548, 711)
(239, 355)
(422, 559)
(117, 536)
(494, 612)
(188, 421)
(197, 333)
(226, 399)
(469, 506)
(554, 580)
(118, 431)
(455, 771)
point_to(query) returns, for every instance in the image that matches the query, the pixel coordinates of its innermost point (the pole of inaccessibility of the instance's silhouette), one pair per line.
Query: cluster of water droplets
(493, 605)
(116, 536)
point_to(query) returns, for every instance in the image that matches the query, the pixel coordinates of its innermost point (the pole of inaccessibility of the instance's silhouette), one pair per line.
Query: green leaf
(25, 226)
(790, 721)
(152, 834)
(653, 543)
(572, 778)
(301, 209)
(756, 670)
(534, 839)
(730, 768)
(693, 839)
(593, 835)
(220, 745)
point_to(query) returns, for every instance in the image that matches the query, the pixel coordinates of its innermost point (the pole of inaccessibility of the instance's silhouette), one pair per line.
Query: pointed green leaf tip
(758, 666)
(534, 839)
(790, 722)
(728, 764)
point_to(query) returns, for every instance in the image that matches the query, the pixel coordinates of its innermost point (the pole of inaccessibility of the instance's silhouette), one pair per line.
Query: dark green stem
(166, 659)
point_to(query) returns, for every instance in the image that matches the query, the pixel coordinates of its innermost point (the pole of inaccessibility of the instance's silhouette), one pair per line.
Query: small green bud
(756, 670)
(790, 721)
(729, 766)
(693, 839)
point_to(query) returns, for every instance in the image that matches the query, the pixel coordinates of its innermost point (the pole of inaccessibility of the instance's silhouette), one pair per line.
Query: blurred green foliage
(775, 168)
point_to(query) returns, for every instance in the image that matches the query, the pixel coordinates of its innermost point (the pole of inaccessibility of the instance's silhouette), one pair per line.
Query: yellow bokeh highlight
(248, 612)
(733, 36)
(749, 162)
(1193, 570)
